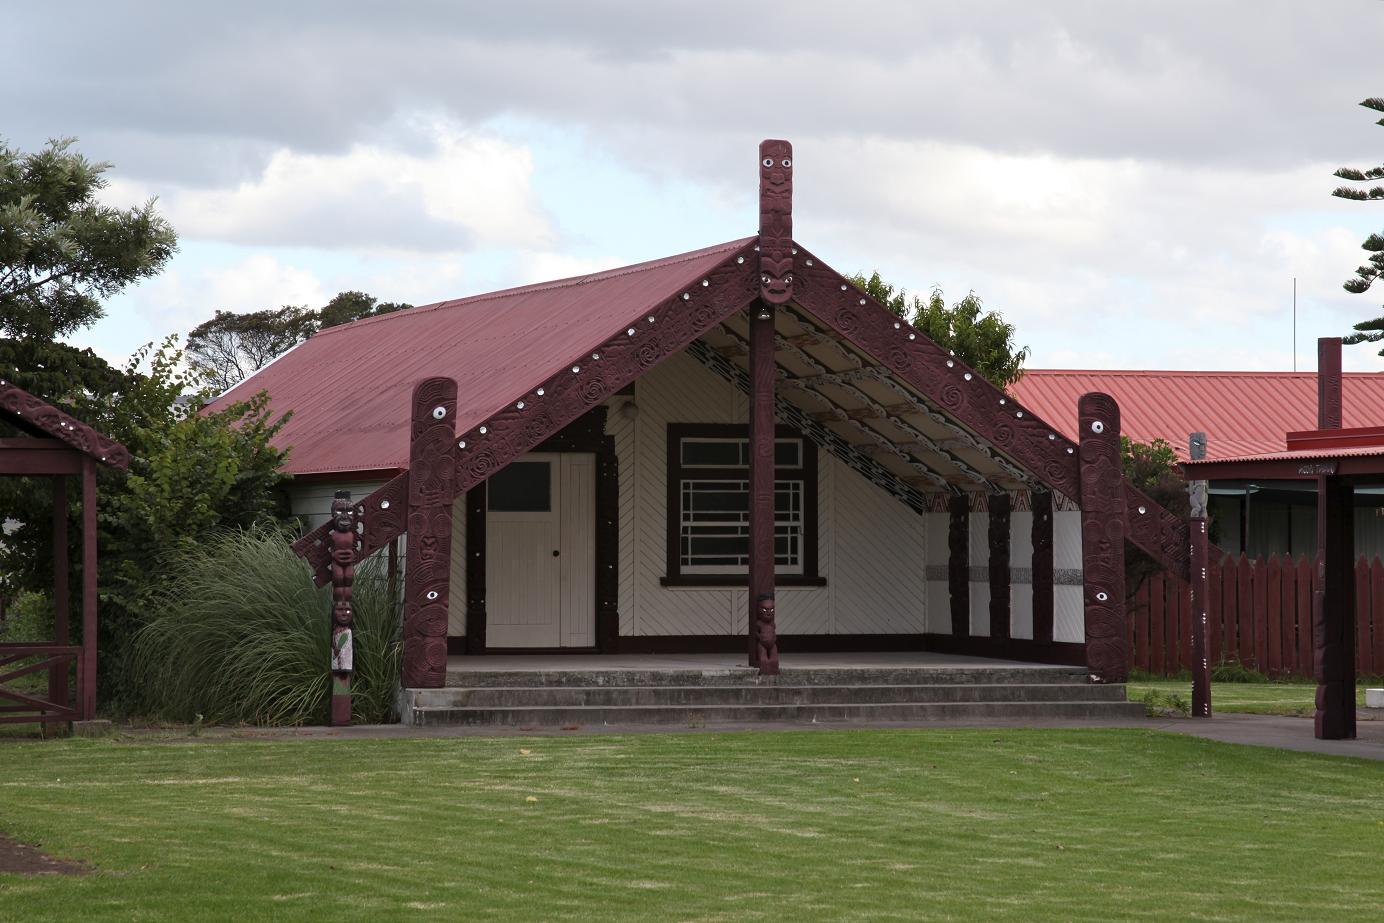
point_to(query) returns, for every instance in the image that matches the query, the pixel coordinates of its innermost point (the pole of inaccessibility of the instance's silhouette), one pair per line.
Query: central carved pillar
(762, 630)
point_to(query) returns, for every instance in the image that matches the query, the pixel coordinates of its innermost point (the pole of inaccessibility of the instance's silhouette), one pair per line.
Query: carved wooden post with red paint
(1200, 555)
(776, 288)
(427, 571)
(343, 572)
(1103, 538)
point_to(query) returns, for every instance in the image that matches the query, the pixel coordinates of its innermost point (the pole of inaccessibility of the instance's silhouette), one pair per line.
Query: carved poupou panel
(776, 221)
(427, 577)
(1103, 538)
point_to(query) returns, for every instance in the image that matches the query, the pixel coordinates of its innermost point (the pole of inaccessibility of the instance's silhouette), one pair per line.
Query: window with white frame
(709, 510)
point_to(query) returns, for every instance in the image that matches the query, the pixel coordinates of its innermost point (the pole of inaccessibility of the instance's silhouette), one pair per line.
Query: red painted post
(427, 576)
(1102, 538)
(763, 641)
(1201, 645)
(998, 567)
(62, 605)
(88, 709)
(1043, 593)
(1333, 655)
(344, 544)
(959, 564)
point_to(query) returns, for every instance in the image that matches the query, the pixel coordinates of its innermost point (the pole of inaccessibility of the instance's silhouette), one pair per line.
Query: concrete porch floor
(868, 660)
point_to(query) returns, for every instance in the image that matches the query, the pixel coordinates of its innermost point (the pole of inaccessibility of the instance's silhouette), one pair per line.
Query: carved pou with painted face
(776, 221)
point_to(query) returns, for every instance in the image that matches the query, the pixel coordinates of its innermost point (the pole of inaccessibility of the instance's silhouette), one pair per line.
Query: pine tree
(1369, 331)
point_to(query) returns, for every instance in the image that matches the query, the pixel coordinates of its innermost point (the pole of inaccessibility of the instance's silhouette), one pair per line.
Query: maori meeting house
(732, 449)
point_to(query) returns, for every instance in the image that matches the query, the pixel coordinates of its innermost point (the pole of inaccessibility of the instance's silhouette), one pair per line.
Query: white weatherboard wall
(978, 525)
(938, 527)
(1068, 614)
(313, 501)
(872, 549)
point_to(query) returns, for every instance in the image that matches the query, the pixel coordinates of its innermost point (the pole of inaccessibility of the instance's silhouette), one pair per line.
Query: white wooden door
(539, 554)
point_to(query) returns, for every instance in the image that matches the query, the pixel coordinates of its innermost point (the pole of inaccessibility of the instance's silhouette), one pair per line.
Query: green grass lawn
(830, 825)
(1248, 698)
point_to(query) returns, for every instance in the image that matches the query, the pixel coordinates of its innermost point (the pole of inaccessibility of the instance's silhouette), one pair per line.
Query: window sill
(731, 581)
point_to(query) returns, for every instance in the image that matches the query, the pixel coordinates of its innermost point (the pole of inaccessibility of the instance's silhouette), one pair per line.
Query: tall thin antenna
(1294, 323)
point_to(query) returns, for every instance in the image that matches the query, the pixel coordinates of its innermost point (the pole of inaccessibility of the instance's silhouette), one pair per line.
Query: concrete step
(842, 712)
(746, 676)
(708, 696)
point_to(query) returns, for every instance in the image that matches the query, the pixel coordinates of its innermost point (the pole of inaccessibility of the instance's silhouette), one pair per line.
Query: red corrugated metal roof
(1358, 451)
(349, 387)
(1242, 413)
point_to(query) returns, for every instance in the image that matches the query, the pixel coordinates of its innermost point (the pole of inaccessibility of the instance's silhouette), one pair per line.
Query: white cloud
(467, 190)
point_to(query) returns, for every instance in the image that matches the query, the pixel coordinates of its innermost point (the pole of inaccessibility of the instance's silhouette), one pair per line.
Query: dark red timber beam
(1043, 597)
(965, 395)
(959, 564)
(668, 327)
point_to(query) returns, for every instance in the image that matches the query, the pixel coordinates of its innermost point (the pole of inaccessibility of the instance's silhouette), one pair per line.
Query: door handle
(556, 552)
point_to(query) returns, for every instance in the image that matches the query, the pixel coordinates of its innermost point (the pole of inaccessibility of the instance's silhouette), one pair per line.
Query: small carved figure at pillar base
(766, 636)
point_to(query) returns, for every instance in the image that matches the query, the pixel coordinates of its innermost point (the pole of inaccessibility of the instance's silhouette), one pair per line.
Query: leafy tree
(1370, 331)
(982, 339)
(352, 306)
(230, 347)
(61, 251)
(1153, 468)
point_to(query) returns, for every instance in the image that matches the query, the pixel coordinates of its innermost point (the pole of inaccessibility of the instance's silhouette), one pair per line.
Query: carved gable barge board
(966, 396)
(666, 328)
(40, 418)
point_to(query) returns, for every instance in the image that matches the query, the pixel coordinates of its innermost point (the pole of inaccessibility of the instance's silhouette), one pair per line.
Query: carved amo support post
(1200, 560)
(776, 288)
(959, 564)
(344, 544)
(1102, 538)
(427, 575)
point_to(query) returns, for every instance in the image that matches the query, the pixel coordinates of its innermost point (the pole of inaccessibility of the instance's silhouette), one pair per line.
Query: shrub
(240, 634)
(28, 618)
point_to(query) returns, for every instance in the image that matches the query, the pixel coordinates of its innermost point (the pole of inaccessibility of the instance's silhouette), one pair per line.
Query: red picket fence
(1259, 613)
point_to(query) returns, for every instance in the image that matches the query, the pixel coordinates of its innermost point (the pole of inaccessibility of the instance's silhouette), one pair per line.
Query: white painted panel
(1068, 615)
(456, 609)
(879, 560)
(979, 527)
(980, 609)
(578, 545)
(1021, 610)
(1021, 539)
(1066, 539)
(938, 607)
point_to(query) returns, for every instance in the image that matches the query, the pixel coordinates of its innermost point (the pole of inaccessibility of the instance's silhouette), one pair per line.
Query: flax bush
(238, 633)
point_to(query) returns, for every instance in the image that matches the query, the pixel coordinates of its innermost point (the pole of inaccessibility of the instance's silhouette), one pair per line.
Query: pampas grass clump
(239, 633)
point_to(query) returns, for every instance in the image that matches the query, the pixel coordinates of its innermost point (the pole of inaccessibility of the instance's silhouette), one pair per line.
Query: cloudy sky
(1134, 185)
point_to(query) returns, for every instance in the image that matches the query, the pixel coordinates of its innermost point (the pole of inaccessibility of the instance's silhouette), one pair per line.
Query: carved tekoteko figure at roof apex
(776, 221)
